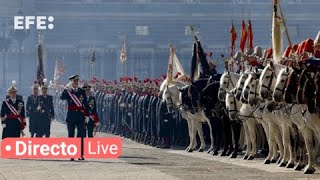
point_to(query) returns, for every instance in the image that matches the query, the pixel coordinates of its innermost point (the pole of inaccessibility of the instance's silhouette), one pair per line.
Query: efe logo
(24, 22)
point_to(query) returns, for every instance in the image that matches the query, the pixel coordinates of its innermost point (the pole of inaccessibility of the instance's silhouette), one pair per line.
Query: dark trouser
(89, 129)
(217, 129)
(44, 126)
(34, 123)
(13, 128)
(80, 131)
(47, 126)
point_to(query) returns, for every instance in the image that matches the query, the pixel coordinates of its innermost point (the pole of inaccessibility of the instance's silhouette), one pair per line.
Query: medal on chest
(81, 98)
(91, 104)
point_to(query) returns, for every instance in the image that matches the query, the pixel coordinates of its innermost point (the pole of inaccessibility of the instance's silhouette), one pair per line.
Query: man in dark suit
(46, 110)
(77, 113)
(32, 111)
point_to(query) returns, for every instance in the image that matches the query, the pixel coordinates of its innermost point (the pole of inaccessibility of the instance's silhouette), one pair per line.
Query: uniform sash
(74, 98)
(15, 112)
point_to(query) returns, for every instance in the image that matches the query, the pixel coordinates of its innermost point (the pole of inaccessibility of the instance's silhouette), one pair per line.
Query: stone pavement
(144, 162)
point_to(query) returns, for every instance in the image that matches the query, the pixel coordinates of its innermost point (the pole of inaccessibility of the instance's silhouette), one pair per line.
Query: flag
(233, 38)
(244, 36)
(123, 55)
(277, 22)
(61, 68)
(204, 65)
(175, 70)
(195, 63)
(93, 57)
(250, 35)
(56, 76)
(40, 72)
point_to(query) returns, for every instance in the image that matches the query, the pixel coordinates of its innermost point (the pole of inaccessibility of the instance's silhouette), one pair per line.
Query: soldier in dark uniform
(46, 110)
(32, 112)
(131, 109)
(145, 109)
(93, 116)
(140, 114)
(12, 114)
(165, 131)
(153, 114)
(77, 109)
(136, 111)
(128, 110)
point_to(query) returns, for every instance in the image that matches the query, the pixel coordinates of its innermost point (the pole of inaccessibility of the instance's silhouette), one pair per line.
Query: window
(141, 1)
(293, 1)
(191, 1)
(241, 1)
(142, 30)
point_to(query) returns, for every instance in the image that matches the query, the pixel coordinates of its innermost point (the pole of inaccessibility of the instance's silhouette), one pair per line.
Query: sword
(127, 125)
(95, 130)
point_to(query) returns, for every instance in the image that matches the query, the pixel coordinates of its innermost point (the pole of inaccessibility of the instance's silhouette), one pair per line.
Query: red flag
(233, 38)
(250, 35)
(61, 68)
(40, 72)
(244, 36)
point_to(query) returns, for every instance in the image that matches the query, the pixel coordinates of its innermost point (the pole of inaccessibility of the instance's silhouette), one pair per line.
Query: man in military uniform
(32, 112)
(128, 109)
(93, 116)
(77, 109)
(46, 110)
(152, 109)
(12, 114)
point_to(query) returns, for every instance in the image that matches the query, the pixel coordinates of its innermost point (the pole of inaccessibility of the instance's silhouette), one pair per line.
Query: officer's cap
(74, 77)
(13, 87)
(86, 87)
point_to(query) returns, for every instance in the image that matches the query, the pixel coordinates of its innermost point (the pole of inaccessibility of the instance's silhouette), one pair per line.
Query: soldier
(165, 131)
(32, 112)
(12, 114)
(152, 110)
(46, 110)
(77, 109)
(128, 109)
(93, 116)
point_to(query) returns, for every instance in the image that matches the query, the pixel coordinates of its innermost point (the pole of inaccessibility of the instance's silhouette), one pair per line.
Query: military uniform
(12, 115)
(33, 113)
(77, 111)
(47, 114)
(93, 115)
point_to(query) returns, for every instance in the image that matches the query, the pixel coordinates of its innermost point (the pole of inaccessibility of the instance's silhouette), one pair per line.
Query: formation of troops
(130, 108)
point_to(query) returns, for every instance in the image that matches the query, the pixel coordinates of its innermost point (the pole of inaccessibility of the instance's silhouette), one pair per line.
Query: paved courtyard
(144, 162)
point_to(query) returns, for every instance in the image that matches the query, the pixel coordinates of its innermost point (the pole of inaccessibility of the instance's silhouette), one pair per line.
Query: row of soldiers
(134, 110)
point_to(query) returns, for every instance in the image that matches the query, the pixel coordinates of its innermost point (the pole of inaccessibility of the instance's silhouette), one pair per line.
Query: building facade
(149, 25)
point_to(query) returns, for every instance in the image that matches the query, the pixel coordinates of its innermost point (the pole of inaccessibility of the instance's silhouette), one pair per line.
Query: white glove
(22, 133)
(4, 125)
(87, 119)
(69, 85)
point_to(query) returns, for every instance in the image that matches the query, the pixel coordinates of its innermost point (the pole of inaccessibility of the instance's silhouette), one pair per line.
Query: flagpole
(285, 26)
